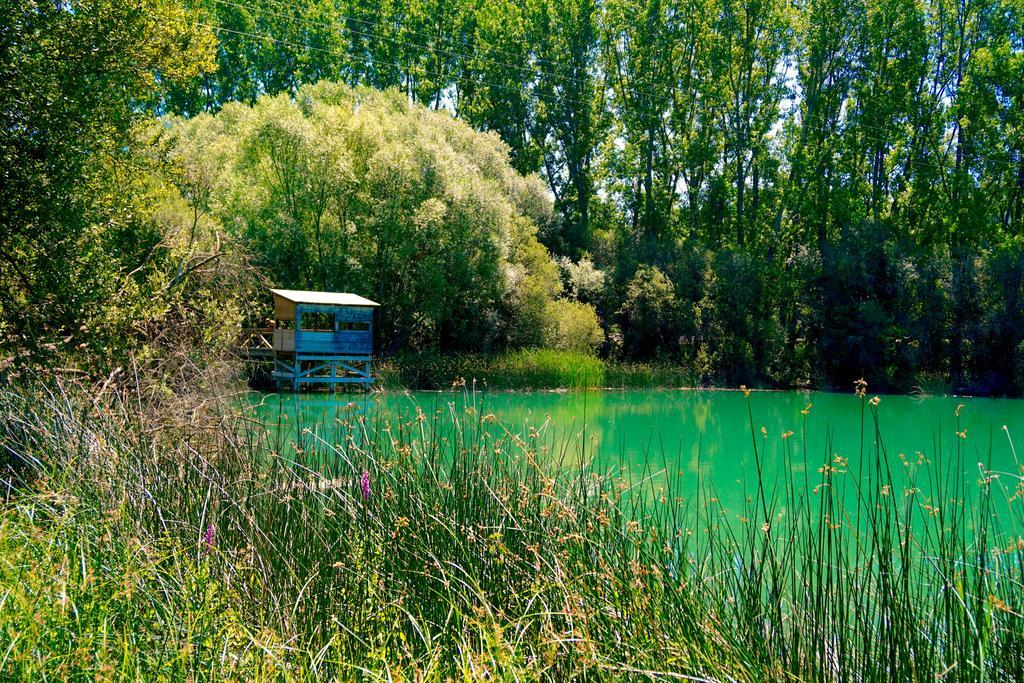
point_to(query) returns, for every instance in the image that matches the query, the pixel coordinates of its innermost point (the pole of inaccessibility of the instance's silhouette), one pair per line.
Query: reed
(447, 546)
(519, 369)
(529, 369)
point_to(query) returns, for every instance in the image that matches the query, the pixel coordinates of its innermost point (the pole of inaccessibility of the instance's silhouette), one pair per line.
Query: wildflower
(963, 434)
(764, 432)
(208, 539)
(807, 410)
(766, 527)
(786, 435)
(860, 387)
(885, 490)
(875, 400)
(364, 484)
(746, 392)
(959, 408)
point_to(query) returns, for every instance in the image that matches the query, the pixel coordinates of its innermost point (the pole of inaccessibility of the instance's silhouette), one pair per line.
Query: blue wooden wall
(340, 341)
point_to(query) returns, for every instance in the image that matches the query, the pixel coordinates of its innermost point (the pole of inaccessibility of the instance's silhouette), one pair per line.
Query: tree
(655, 65)
(570, 109)
(495, 91)
(76, 79)
(359, 190)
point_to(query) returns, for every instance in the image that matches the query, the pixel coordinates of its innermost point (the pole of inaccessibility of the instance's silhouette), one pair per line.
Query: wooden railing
(256, 342)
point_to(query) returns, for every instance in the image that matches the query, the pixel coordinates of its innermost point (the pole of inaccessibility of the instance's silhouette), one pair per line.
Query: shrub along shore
(527, 369)
(211, 546)
(552, 369)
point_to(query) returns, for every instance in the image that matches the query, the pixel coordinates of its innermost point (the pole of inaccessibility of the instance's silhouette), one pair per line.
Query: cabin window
(315, 321)
(354, 327)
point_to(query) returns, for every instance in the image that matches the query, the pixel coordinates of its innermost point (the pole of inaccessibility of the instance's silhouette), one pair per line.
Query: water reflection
(702, 440)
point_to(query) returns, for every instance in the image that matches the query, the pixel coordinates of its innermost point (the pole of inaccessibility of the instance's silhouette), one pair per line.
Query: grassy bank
(446, 547)
(527, 369)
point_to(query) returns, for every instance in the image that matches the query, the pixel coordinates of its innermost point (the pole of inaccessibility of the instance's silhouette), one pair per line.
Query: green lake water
(704, 438)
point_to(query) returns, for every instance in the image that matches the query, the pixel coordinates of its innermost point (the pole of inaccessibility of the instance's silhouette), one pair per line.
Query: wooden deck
(256, 343)
(316, 364)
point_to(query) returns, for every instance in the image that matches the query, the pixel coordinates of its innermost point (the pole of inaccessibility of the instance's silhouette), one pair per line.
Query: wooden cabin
(317, 338)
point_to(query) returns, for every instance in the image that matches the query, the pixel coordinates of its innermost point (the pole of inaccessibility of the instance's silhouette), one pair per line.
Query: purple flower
(208, 539)
(364, 483)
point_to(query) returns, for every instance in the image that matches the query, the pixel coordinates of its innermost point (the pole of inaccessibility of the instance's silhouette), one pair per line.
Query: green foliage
(357, 190)
(650, 311)
(534, 286)
(76, 247)
(788, 135)
(520, 369)
(572, 326)
(735, 327)
(584, 281)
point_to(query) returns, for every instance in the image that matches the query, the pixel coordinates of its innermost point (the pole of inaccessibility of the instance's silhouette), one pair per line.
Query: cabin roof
(323, 298)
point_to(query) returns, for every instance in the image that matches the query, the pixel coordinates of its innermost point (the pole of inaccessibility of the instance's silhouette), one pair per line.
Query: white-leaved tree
(346, 189)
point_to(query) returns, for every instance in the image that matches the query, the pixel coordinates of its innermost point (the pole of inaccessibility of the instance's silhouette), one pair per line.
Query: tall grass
(519, 369)
(447, 546)
(529, 369)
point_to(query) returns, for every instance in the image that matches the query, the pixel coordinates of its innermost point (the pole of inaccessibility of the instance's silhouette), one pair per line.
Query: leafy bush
(583, 280)
(737, 332)
(650, 313)
(572, 326)
(85, 275)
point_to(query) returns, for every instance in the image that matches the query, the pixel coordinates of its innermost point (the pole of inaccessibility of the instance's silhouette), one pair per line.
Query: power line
(441, 52)
(371, 24)
(859, 128)
(335, 53)
(636, 92)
